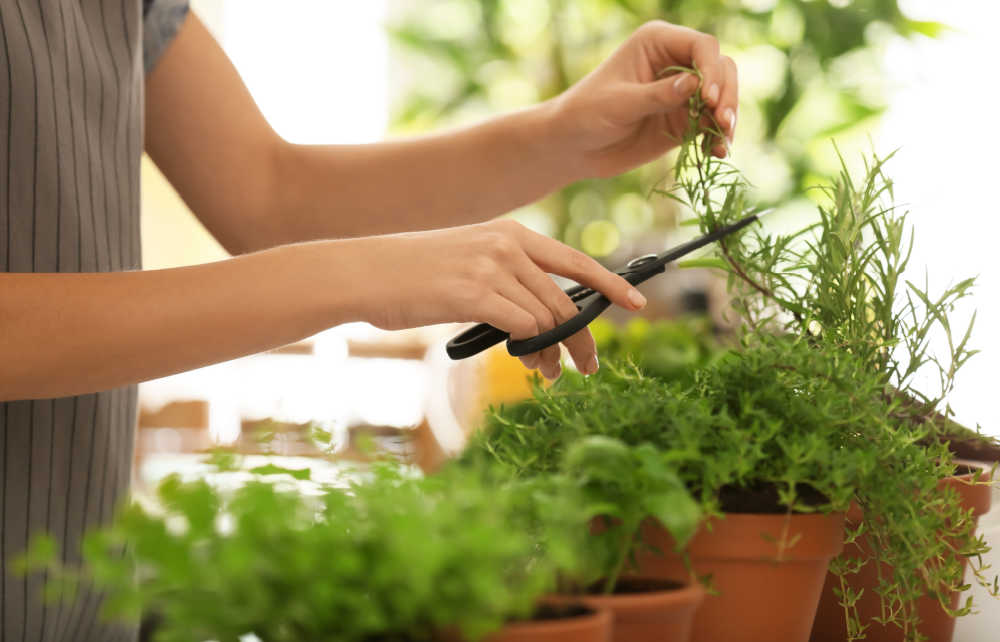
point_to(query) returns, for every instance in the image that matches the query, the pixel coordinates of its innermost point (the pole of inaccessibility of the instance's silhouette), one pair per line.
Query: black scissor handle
(589, 312)
(475, 340)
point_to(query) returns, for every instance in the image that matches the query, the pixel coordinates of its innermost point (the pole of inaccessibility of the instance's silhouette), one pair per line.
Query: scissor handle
(475, 340)
(566, 329)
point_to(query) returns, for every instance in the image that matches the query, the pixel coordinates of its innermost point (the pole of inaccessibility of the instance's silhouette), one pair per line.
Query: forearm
(253, 190)
(456, 177)
(65, 334)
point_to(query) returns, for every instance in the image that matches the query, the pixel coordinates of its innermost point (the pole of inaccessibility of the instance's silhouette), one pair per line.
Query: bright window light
(317, 69)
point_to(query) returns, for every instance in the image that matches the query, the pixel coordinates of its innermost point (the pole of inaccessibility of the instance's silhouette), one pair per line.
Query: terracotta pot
(592, 626)
(766, 591)
(649, 610)
(936, 625)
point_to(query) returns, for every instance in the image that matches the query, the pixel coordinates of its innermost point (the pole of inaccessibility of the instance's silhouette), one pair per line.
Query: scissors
(589, 302)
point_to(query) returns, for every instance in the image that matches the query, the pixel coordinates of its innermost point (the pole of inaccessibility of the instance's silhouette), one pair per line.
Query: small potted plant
(399, 559)
(614, 488)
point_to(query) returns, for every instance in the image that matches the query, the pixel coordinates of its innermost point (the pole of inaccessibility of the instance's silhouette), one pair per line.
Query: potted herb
(616, 487)
(610, 488)
(392, 559)
(767, 483)
(838, 286)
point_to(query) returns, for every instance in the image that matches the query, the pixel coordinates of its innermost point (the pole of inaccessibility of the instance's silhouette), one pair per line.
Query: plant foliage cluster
(665, 349)
(389, 558)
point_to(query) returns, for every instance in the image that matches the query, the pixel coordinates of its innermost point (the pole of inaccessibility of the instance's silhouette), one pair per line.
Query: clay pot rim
(978, 497)
(742, 536)
(597, 616)
(692, 593)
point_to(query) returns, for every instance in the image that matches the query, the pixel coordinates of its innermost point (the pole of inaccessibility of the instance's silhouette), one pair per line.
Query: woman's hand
(624, 114)
(494, 272)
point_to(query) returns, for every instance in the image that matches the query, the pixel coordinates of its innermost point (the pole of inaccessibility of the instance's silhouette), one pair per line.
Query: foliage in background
(670, 349)
(394, 558)
(809, 71)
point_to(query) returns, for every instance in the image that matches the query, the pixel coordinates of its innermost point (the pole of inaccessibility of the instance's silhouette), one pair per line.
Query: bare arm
(65, 334)
(253, 190)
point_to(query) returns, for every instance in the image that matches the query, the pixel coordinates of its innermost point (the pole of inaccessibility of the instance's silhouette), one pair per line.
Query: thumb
(667, 94)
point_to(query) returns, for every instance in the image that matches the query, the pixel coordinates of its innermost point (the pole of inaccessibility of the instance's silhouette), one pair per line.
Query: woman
(397, 234)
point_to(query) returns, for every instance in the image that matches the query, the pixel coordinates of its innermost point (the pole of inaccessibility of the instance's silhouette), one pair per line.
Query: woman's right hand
(493, 272)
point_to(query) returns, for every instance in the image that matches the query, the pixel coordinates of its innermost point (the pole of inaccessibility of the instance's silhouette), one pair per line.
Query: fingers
(524, 301)
(548, 359)
(706, 58)
(667, 94)
(506, 315)
(581, 345)
(669, 45)
(725, 112)
(552, 256)
(728, 106)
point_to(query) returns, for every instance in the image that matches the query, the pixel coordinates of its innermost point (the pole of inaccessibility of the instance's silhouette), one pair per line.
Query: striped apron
(71, 135)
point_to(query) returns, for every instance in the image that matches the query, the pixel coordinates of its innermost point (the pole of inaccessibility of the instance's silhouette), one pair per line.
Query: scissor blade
(684, 249)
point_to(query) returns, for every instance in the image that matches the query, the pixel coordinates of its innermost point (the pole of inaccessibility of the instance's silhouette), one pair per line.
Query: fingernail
(636, 299)
(593, 365)
(730, 117)
(552, 372)
(713, 94)
(685, 84)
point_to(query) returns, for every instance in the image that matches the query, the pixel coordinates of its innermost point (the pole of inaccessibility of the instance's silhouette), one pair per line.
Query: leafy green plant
(622, 486)
(666, 349)
(393, 558)
(778, 426)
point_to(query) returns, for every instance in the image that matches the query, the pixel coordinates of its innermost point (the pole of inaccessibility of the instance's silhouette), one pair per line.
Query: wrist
(329, 275)
(541, 133)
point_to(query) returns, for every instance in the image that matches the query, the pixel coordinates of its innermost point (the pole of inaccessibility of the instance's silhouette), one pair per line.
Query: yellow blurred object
(503, 379)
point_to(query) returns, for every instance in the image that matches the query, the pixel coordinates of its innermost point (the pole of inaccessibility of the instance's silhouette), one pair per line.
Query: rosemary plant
(838, 286)
(840, 278)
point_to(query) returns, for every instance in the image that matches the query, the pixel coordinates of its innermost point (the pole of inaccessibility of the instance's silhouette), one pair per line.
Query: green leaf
(706, 262)
(272, 469)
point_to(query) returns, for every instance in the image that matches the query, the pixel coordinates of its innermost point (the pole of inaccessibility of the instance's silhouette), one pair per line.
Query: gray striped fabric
(71, 130)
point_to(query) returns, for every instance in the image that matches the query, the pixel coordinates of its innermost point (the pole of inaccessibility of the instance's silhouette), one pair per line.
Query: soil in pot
(766, 569)
(936, 624)
(648, 609)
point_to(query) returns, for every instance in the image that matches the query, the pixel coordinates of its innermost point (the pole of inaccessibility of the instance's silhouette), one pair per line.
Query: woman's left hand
(624, 114)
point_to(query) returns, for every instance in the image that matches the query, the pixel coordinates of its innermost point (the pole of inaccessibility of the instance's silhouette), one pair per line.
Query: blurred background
(884, 74)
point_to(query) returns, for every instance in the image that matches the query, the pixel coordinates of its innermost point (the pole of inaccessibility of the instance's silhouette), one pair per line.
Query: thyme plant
(778, 426)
